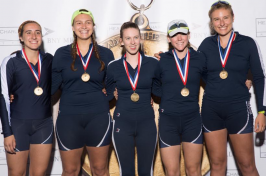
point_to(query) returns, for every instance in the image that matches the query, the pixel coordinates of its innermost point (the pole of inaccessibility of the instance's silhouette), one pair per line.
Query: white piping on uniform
(164, 142)
(4, 85)
(247, 119)
(263, 70)
(113, 61)
(153, 156)
(197, 137)
(120, 169)
(105, 132)
(206, 129)
(60, 140)
(49, 135)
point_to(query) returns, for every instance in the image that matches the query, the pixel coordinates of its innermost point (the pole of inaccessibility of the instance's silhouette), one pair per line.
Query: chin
(133, 52)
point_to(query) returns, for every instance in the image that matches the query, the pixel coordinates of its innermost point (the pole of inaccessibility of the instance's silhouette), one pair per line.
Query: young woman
(26, 122)
(79, 70)
(226, 108)
(134, 123)
(179, 71)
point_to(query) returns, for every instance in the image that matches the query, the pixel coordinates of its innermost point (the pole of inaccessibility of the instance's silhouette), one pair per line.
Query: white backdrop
(54, 17)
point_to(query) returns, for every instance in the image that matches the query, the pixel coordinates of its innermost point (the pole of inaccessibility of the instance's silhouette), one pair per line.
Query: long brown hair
(217, 6)
(127, 25)
(95, 50)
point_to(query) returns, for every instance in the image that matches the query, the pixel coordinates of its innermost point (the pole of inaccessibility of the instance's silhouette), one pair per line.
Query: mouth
(84, 32)
(133, 47)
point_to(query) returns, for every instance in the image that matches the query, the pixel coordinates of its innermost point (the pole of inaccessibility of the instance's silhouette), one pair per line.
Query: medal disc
(135, 97)
(85, 77)
(185, 92)
(38, 91)
(223, 74)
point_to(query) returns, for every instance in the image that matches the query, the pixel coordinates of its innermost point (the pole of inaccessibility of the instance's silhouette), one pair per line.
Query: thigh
(70, 132)
(124, 144)
(171, 159)
(239, 118)
(212, 116)
(216, 143)
(12, 162)
(43, 131)
(98, 131)
(21, 130)
(71, 159)
(98, 156)
(243, 147)
(39, 158)
(192, 154)
(169, 131)
(192, 128)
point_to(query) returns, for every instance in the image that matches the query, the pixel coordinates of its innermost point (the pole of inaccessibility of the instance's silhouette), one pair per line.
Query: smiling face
(83, 27)
(31, 36)
(222, 21)
(131, 40)
(179, 41)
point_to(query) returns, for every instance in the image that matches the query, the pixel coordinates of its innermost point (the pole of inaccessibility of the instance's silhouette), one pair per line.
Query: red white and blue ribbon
(133, 80)
(36, 74)
(224, 55)
(182, 70)
(85, 61)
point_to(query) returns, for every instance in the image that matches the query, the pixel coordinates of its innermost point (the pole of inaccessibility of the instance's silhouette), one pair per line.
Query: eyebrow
(32, 30)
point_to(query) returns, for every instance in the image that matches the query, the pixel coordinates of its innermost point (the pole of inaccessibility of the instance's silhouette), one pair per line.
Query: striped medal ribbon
(183, 71)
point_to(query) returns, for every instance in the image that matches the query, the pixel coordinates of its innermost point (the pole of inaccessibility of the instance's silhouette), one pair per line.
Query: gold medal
(135, 97)
(185, 92)
(223, 74)
(85, 77)
(38, 91)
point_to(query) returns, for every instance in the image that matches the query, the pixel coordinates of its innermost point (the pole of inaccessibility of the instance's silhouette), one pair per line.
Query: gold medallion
(38, 91)
(135, 97)
(223, 74)
(85, 77)
(185, 92)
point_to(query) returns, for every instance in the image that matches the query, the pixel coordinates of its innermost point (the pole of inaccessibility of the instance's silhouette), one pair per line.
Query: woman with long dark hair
(79, 69)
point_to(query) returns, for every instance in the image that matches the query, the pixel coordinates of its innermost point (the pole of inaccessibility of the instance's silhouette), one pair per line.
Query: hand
(116, 94)
(248, 84)
(11, 98)
(151, 102)
(260, 123)
(157, 55)
(104, 91)
(10, 144)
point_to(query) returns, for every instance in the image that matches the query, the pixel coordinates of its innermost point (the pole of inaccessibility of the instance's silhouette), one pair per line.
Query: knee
(15, 172)
(218, 165)
(99, 170)
(247, 166)
(71, 171)
(193, 171)
(173, 172)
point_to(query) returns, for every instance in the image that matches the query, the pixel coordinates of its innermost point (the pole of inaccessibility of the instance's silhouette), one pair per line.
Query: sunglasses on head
(222, 2)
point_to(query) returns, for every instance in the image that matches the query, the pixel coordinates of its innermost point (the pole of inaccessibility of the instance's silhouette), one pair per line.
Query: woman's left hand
(260, 123)
(248, 84)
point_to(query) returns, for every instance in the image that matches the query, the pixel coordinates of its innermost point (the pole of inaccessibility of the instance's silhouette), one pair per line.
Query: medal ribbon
(224, 56)
(133, 81)
(85, 61)
(183, 71)
(36, 74)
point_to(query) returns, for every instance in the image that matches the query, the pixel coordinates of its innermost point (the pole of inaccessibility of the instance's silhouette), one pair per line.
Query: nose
(132, 41)
(33, 36)
(84, 25)
(179, 37)
(221, 22)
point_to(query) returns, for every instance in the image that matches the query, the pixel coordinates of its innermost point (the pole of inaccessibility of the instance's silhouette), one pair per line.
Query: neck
(181, 54)
(132, 59)
(224, 39)
(32, 55)
(84, 46)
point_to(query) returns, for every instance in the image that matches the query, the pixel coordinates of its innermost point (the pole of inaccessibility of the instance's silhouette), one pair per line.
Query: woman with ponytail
(26, 122)
(79, 69)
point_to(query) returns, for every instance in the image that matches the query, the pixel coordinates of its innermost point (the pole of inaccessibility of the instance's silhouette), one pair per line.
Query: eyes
(135, 37)
(86, 22)
(31, 32)
(223, 18)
